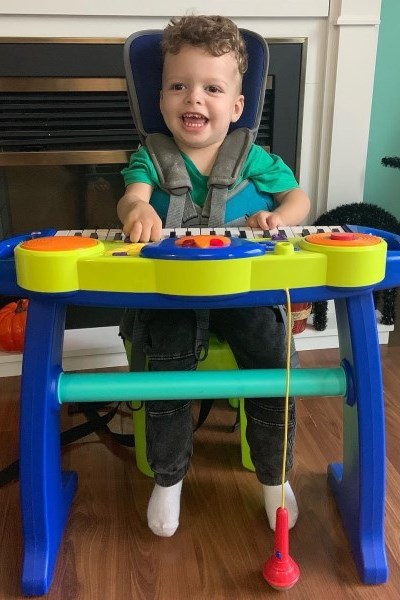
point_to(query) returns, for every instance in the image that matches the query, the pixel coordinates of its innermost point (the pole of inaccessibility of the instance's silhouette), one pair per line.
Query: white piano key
(194, 230)
(257, 233)
(167, 233)
(114, 235)
(287, 231)
(302, 230)
(62, 232)
(206, 230)
(219, 230)
(292, 232)
(311, 229)
(102, 234)
(180, 231)
(246, 233)
(297, 230)
(234, 231)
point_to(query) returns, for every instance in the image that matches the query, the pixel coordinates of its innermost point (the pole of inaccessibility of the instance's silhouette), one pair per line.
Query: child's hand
(265, 220)
(142, 223)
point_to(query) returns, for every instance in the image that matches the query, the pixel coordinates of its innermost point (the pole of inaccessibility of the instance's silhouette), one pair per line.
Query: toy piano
(195, 269)
(100, 261)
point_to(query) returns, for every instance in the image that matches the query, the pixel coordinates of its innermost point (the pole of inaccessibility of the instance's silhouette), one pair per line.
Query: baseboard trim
(86, 348)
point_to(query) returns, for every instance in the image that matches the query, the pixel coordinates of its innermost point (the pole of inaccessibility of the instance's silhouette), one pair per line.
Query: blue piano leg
(46, 491)
(359, 483)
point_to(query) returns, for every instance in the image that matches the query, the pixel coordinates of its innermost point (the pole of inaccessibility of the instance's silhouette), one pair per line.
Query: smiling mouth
(194, 120)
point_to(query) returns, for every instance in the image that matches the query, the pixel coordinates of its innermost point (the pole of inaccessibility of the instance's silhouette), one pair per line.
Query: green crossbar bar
(180, 385)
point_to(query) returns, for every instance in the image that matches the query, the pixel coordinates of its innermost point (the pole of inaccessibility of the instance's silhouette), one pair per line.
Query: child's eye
(177, 86)
(214, 89)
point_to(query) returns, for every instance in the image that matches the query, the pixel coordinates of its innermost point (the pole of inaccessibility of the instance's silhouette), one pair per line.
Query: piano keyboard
(69, 264)
(279, 234)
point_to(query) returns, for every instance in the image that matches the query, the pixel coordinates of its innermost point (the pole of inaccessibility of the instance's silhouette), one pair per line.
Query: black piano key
(94, 235)
(172, 234)
(78, 234)
(267, 234)
(118, 237)
(188, 232)
(242, 234)
(228, 233)
(319, 230)
(305, 232)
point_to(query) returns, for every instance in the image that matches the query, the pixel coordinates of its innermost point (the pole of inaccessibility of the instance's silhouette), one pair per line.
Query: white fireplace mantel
(235, 8)
(341, 49)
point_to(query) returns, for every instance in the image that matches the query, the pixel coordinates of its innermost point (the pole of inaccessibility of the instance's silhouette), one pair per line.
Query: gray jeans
(257, 337)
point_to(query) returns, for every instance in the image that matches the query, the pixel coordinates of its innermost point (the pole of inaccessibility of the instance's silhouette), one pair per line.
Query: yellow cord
(288, 354)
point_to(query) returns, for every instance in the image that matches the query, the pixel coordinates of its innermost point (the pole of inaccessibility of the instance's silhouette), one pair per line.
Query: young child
(204, 61)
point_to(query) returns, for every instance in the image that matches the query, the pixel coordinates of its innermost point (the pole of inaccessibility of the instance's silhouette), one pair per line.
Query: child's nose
(193, 96)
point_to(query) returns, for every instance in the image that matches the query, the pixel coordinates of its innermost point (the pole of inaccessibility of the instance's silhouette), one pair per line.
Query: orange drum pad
(59, 243)
(343, 239)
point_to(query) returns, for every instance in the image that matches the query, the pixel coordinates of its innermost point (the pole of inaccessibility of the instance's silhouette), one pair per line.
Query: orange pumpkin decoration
(12, 326)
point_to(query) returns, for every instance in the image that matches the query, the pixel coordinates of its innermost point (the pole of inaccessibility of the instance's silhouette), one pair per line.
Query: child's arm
(139, 220)
(294, 206)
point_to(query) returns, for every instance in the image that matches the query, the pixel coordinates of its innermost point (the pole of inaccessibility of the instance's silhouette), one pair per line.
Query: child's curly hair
(218, 35)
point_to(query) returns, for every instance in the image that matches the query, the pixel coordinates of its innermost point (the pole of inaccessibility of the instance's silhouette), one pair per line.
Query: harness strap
(169, 164)
(95, 422)
(182, 211)
(229, 164)
(217, 205)
(231, 157)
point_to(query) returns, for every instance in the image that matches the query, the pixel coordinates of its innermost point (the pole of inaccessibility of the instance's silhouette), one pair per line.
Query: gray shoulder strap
(168, 163)
(174, 179)
(231, 158)
(227, 168)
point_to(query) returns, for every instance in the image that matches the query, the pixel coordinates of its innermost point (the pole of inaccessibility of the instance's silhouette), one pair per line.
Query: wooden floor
(108, 553)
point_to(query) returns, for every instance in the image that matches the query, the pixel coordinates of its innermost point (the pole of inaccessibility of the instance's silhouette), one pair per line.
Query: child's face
(200, 97)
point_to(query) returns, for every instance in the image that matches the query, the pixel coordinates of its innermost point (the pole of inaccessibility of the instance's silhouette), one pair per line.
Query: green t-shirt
(268, 172)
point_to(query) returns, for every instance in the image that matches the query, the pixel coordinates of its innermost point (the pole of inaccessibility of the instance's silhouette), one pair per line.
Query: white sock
(164, 508)
(273, 500)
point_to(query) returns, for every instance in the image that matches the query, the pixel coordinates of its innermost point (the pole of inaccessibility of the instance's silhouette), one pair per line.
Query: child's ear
(237, 109)
(161, 102)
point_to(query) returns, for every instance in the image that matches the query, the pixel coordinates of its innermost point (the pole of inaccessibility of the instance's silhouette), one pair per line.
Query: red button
(188, 243)
(217, 241)
(343, 236)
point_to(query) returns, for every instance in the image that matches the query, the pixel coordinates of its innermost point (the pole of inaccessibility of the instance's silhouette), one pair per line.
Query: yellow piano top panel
(57, 265)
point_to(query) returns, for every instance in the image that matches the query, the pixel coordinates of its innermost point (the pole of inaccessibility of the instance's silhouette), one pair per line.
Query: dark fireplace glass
(66, 197)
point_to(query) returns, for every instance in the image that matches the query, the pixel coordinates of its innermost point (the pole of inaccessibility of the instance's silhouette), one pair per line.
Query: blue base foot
(364, 528)
(43, 533)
